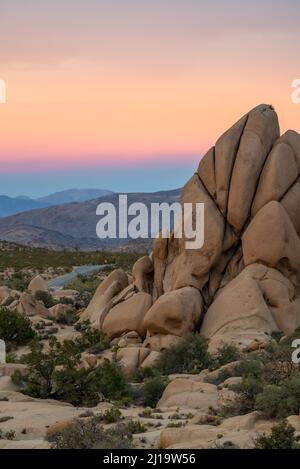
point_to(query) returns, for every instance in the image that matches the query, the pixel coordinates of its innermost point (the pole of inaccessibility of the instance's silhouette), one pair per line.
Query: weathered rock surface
(128, 315)
(243, 283)
(240, 431)
(37, 284)
(101, 301)
(189, 394)
(28, 305)
(177, 312)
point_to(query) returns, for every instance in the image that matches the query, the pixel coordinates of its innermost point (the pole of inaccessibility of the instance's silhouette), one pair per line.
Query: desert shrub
(69, 317)
(21, 257)
(56, 374)
(277, 335)
(277, 360)
(145, 373)
(282, 437)
(190, 354)
(135, 426)
(280, 400)
(78, 386)
(110, 415)
(85, 284)
(17, 281)
(15, 329)
(112, 381)
(46, 298)
(152, 390)
(219, 378)
(91, 339)
(9, 435)
(91, 435)
(226, 354)
(249, 367)
(269, 399)
(251, 372)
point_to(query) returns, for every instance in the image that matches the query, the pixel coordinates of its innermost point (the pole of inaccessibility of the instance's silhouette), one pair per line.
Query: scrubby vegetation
(270, 381)
(282, 437)
(57, 373)
(15, 329)
(20, 257)
(153, 389)
(90, 434)
(190, 354)
(46, 298)
(85, 285)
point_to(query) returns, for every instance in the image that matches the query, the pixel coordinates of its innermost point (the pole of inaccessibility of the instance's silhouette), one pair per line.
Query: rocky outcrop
(243, 283)
(37, 284)
(28, 305)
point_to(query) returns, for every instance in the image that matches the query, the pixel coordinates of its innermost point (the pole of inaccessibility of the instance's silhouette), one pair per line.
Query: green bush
(135, 426)
(110, 415)
(91, 339)
(17, 281)
(112, 381)
(226, 354)
(280, 400)
(152, 390)
(56, 374)
(282, 437)
(251, 372)
(145, 373)
(91, 435)
(189, 355)
(45, 298)
(15, 329)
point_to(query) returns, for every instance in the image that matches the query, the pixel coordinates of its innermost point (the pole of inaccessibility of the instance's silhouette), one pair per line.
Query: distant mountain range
(73, 225)
(13, 205)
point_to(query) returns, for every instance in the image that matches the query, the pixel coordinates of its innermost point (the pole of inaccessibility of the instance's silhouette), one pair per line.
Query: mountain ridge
(13, 205)
(73, 225)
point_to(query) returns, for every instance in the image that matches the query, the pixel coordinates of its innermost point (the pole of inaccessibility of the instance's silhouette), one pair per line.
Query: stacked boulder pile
(243, 284)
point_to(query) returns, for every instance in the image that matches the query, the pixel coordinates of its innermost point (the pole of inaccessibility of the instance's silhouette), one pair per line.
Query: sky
(127, 94)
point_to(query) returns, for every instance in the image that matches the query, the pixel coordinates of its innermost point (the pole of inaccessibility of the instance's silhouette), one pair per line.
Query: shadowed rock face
(247, 272)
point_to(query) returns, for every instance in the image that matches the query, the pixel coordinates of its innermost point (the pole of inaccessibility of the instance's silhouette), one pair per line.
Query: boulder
(234, 432)
(160, 342)
(29, 306)
(58, 310)
(131, 358)
(177, 312)
(142, 273)
(238, 315)
(101, 301)
(128, 316)
(151, 359)
(280, 172)
(190, 267)
(189, 394)
(271, 239)
(4, 293)
(37, 284)
(260, 133)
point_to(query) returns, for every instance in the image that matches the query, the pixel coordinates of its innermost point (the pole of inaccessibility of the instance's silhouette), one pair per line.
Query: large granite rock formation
(243, 284)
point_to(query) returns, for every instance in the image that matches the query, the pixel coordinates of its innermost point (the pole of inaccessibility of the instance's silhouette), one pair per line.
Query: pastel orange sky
(110, 83)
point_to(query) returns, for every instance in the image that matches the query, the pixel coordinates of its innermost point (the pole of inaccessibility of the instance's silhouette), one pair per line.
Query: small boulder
(177, 312)
(37, 284)
(128, 316)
